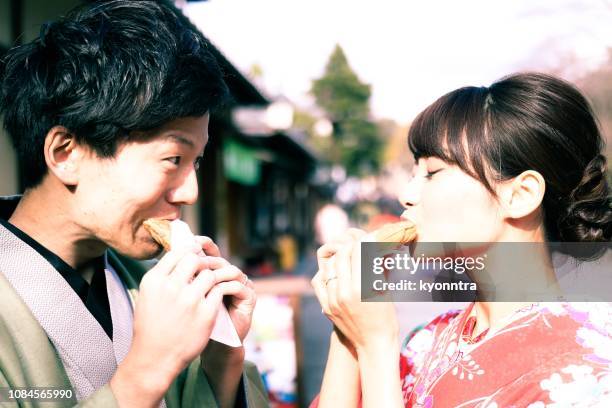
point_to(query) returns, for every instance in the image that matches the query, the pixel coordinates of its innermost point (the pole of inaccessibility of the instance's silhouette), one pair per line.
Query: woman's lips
(406, 217)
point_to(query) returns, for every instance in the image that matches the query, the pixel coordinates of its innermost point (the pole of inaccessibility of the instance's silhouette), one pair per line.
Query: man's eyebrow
(181, 140)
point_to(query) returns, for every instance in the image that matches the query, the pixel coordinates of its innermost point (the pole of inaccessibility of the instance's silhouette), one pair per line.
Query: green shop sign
(240, 163)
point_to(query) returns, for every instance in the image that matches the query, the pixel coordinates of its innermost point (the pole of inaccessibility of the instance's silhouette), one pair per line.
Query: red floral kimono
(546, 355)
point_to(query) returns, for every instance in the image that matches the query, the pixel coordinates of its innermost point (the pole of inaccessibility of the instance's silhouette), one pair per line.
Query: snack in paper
(160, 231)
(177, 234)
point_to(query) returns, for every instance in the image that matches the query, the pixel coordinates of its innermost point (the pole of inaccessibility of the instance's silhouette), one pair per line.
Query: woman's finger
(343, 266)
(325, 270)
(353, 239)
(338, 288)
(327, 251)
(320, 292)
(326, 261)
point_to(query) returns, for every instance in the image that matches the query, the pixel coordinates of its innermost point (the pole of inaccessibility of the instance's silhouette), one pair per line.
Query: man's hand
(173, 318)
(233, 282)
(223, 364)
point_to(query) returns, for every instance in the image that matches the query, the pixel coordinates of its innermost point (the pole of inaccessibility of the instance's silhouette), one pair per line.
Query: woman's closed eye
(430, 174)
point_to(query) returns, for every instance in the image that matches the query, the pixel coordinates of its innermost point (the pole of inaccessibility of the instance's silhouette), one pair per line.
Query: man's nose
(186, 192)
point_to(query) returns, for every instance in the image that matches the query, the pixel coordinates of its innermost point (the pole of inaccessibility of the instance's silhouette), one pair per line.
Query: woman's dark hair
(522, 122)
(106, 69)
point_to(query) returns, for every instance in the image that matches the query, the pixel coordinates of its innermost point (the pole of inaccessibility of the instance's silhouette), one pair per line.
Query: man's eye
(176, 160)
(197, 162)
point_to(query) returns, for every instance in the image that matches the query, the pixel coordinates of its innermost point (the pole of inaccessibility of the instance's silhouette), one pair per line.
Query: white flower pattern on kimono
(583, 388)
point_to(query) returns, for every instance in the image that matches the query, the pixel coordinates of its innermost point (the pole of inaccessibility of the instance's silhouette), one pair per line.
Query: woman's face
(448, 205)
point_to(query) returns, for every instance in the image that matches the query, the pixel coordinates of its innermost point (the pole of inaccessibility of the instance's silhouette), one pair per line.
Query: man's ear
(522, 195)
(62, 155)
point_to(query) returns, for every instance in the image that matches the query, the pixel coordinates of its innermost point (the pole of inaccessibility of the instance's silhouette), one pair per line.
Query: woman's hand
(371, 327)
(338, 288)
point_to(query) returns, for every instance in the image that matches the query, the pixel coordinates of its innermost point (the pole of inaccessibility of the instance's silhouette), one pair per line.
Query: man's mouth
(170, 217)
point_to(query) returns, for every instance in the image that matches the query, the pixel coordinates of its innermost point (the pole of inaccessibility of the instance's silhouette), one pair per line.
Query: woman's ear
(522, 195)
(62, 155)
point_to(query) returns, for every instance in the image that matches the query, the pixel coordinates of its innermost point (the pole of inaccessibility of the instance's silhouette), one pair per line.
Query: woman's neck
(517, 274)
(493, 315)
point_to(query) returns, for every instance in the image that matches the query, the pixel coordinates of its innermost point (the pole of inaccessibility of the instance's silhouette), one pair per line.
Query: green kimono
(29, 359)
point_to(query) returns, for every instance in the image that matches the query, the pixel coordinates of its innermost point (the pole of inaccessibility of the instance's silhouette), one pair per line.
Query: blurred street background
(314, 140)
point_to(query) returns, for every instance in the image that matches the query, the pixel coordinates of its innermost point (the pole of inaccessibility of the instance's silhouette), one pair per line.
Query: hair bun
(588, 216)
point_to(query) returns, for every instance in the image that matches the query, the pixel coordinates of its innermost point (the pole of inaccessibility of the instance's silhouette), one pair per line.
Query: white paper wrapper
(224, 330)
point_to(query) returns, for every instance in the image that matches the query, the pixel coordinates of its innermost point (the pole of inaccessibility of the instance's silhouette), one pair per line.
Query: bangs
(454, 129)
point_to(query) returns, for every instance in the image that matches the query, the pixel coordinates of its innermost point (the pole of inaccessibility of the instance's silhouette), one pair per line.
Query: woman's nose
(410, 193)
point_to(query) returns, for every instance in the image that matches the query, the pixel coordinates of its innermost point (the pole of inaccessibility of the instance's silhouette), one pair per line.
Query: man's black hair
(104, 70)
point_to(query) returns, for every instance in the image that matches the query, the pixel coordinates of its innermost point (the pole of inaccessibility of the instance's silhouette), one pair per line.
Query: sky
(410, 52)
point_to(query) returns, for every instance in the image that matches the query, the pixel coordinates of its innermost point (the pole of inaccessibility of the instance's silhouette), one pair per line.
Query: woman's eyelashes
(430, 174)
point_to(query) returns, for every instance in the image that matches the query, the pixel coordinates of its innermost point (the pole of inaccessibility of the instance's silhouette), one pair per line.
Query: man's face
(148, 178)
